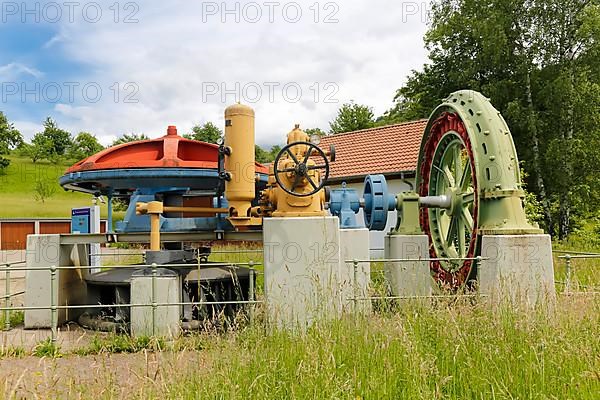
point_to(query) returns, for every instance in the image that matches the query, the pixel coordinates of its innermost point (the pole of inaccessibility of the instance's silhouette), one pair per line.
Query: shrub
(44, 190)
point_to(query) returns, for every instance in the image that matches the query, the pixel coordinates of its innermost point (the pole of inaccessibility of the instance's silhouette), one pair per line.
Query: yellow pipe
(154, 208)
(143, 208)
(195, 209)
(155, 232)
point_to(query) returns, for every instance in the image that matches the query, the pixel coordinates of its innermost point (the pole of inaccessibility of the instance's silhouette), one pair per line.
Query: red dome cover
(170, 151)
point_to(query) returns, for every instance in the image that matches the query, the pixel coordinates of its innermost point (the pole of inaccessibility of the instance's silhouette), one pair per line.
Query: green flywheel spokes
(452, 176)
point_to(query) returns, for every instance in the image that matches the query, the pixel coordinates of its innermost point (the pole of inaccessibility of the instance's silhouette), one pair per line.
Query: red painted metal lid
(169, 151)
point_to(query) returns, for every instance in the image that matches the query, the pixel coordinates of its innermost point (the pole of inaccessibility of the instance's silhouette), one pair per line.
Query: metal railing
(125, 254)
(251, 301)
(568, 256)
(356, 264)
(7, 292)
(54, 307)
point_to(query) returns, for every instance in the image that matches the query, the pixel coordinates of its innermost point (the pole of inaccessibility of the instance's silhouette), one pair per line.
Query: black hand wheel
(301, 169)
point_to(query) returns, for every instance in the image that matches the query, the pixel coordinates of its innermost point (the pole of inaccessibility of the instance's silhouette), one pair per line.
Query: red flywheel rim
(447, 122)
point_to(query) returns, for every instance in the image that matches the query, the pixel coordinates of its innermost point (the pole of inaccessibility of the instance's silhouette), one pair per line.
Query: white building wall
(376, 237)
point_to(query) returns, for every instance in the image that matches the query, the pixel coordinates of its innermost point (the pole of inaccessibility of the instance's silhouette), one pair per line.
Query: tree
(44, 190)
(315, 131)
(261, 155)
(274, 151)
(539, 62)
(84, 145)
(10, 138)
(50, 144)
(41, 147)
(60, 139)
(131, 137)
(4, 163)
(208, 133)
(352, 117)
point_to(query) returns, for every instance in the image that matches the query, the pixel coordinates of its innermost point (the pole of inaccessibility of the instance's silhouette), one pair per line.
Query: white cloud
(13, 71)
(27, 128)
(171, 55)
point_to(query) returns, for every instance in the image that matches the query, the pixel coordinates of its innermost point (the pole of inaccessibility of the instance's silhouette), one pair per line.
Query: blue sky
(180, 62)
(28, 60)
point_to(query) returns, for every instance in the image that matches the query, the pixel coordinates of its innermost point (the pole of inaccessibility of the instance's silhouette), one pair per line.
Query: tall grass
(420, 353)
(451, 350)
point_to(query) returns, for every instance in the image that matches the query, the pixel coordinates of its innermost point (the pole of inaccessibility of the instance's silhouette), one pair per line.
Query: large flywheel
(469, 184)
(452, 228)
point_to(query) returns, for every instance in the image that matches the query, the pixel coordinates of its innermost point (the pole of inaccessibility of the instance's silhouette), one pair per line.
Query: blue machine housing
(150, 184)
(344, 203)
(141, 223)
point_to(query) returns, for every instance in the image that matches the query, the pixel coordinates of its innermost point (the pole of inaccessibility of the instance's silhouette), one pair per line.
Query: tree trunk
(565, 196)
(537, 169)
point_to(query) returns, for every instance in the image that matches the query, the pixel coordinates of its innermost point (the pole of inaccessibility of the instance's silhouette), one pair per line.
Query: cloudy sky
(135, 67)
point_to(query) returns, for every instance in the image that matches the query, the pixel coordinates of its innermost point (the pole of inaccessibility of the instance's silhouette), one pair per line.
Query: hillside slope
(18, 194)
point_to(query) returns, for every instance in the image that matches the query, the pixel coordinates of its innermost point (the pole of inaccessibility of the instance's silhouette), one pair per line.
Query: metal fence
(251, 302)
(54, 307)
(7, 293)
(356, 265)
(568, 257)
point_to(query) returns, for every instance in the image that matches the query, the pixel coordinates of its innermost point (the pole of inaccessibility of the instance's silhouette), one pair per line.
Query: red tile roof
(381, 150)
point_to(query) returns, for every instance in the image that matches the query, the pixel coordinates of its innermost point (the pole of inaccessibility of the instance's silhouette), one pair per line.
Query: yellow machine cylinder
(240, 163)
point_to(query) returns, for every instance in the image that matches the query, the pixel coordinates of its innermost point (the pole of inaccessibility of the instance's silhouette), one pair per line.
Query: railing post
(567, 273)
(251, 291)
(355, 286)
(153, 299)
(7, 302)
(53, 303)
(478, 263)
(197, 306)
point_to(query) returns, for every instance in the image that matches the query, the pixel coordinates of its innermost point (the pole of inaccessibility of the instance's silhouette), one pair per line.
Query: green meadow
(18, 196)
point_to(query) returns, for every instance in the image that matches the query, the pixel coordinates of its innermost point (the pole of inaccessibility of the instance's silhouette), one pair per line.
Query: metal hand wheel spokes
(301, 169)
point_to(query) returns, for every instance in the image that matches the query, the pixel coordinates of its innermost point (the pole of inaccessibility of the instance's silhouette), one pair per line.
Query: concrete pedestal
(167, 289)
(518, 269)
(303, 274)
(44, 251)
(354, 244)
(408, 278)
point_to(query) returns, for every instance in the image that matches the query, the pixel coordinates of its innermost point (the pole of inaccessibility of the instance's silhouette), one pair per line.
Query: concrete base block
(354, 244)
(44, 251)
(303, 277)
(408, 278)
(517, 269)
(165, 320)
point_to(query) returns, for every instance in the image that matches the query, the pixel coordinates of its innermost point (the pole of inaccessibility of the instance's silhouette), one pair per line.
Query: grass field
(18, 195)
